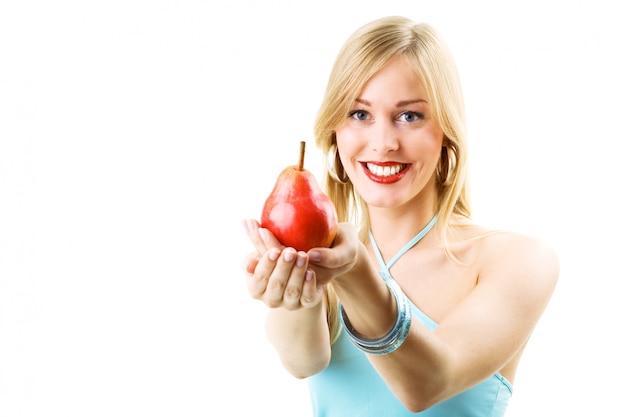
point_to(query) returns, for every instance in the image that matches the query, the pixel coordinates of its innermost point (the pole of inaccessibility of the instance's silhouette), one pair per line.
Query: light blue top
(351, 387)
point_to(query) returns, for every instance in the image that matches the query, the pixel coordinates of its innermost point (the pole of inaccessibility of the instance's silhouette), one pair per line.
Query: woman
(414, 308)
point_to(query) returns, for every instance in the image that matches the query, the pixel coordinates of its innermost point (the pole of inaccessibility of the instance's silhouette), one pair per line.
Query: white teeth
(385, 171)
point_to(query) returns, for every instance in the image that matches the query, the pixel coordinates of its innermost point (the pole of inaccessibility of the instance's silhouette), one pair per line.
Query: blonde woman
(415, 308)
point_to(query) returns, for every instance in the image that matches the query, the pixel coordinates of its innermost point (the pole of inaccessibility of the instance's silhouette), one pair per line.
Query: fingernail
(301, 259)
(288, 255)
(264, 235)
(273, 254)
(248, 224)
(309, 275)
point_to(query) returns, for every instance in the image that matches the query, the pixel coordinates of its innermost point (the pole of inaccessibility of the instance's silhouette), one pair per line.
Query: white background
(135, 135)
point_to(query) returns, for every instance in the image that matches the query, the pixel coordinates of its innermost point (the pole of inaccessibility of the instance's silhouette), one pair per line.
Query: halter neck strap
(386, 266)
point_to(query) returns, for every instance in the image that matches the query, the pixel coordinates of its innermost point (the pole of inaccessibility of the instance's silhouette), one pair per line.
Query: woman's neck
(394, 227)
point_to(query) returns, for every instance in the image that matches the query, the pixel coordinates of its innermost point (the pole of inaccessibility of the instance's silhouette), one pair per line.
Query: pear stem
(301, 160)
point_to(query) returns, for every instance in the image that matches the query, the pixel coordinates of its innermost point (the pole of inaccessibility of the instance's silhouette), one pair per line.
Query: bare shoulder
(517, 249)
(516, 259)
(507, 255)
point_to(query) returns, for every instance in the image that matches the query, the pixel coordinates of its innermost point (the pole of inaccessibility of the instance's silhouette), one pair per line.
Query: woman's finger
(294, 289)
(330, 262)
(258, 280)
(252, 229)
(311, 292)
(250, 261)
(261, 238)
(284, 273)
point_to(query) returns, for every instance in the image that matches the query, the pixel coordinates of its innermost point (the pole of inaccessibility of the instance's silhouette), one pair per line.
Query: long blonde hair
(362, 55)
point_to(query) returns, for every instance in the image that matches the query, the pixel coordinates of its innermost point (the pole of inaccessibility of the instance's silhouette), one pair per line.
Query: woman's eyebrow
(414, 101)
(399, 104)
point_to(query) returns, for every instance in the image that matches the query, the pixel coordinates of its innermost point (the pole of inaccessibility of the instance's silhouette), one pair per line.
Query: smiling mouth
(385, 170)
(385, 173)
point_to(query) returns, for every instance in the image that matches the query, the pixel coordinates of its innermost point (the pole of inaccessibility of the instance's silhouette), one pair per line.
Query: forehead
(395, 81)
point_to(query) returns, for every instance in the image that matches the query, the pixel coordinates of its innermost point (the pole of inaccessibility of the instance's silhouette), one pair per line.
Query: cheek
(344, 156)
(346, 145)
(344, 136)
(434, 145)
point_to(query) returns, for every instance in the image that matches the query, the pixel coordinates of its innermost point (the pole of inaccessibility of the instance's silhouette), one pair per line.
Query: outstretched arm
(296, 323)
(483, 333)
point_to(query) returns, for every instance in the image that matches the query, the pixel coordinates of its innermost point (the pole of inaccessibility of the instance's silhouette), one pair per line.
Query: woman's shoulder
(509, 255)
(504, 244)
(500, 241)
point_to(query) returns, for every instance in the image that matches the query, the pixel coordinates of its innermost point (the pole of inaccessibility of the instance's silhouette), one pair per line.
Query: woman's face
(390, 144)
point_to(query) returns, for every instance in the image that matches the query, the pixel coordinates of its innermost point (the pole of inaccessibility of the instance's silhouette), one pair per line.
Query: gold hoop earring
(332, 161)
(445, 167)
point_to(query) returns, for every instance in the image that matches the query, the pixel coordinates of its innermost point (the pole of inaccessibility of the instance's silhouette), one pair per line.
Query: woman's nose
(384, 137)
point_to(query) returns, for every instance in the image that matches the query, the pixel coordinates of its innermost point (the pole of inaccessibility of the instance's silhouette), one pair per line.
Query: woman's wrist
(395, 337)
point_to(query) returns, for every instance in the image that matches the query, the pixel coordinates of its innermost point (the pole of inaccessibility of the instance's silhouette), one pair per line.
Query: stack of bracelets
(396, 336)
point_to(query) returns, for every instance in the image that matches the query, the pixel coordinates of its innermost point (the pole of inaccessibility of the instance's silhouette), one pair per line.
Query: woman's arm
(475, 339)
(301, 339)
(296, 323)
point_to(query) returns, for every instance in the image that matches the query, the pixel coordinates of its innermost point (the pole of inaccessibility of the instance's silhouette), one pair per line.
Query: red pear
(298, 212)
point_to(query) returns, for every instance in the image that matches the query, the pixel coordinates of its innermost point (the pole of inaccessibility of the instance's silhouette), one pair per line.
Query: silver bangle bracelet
(396, 336)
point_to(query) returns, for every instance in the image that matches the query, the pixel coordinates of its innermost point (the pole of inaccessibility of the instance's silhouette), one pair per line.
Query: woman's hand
(338, 260)
(283, 277)
(279, 276)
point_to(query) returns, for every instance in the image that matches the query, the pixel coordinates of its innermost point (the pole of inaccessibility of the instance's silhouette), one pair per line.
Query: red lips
(385, 172)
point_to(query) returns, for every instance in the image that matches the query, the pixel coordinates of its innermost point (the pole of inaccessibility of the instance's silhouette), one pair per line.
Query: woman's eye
(411, 116)
(358, 115)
